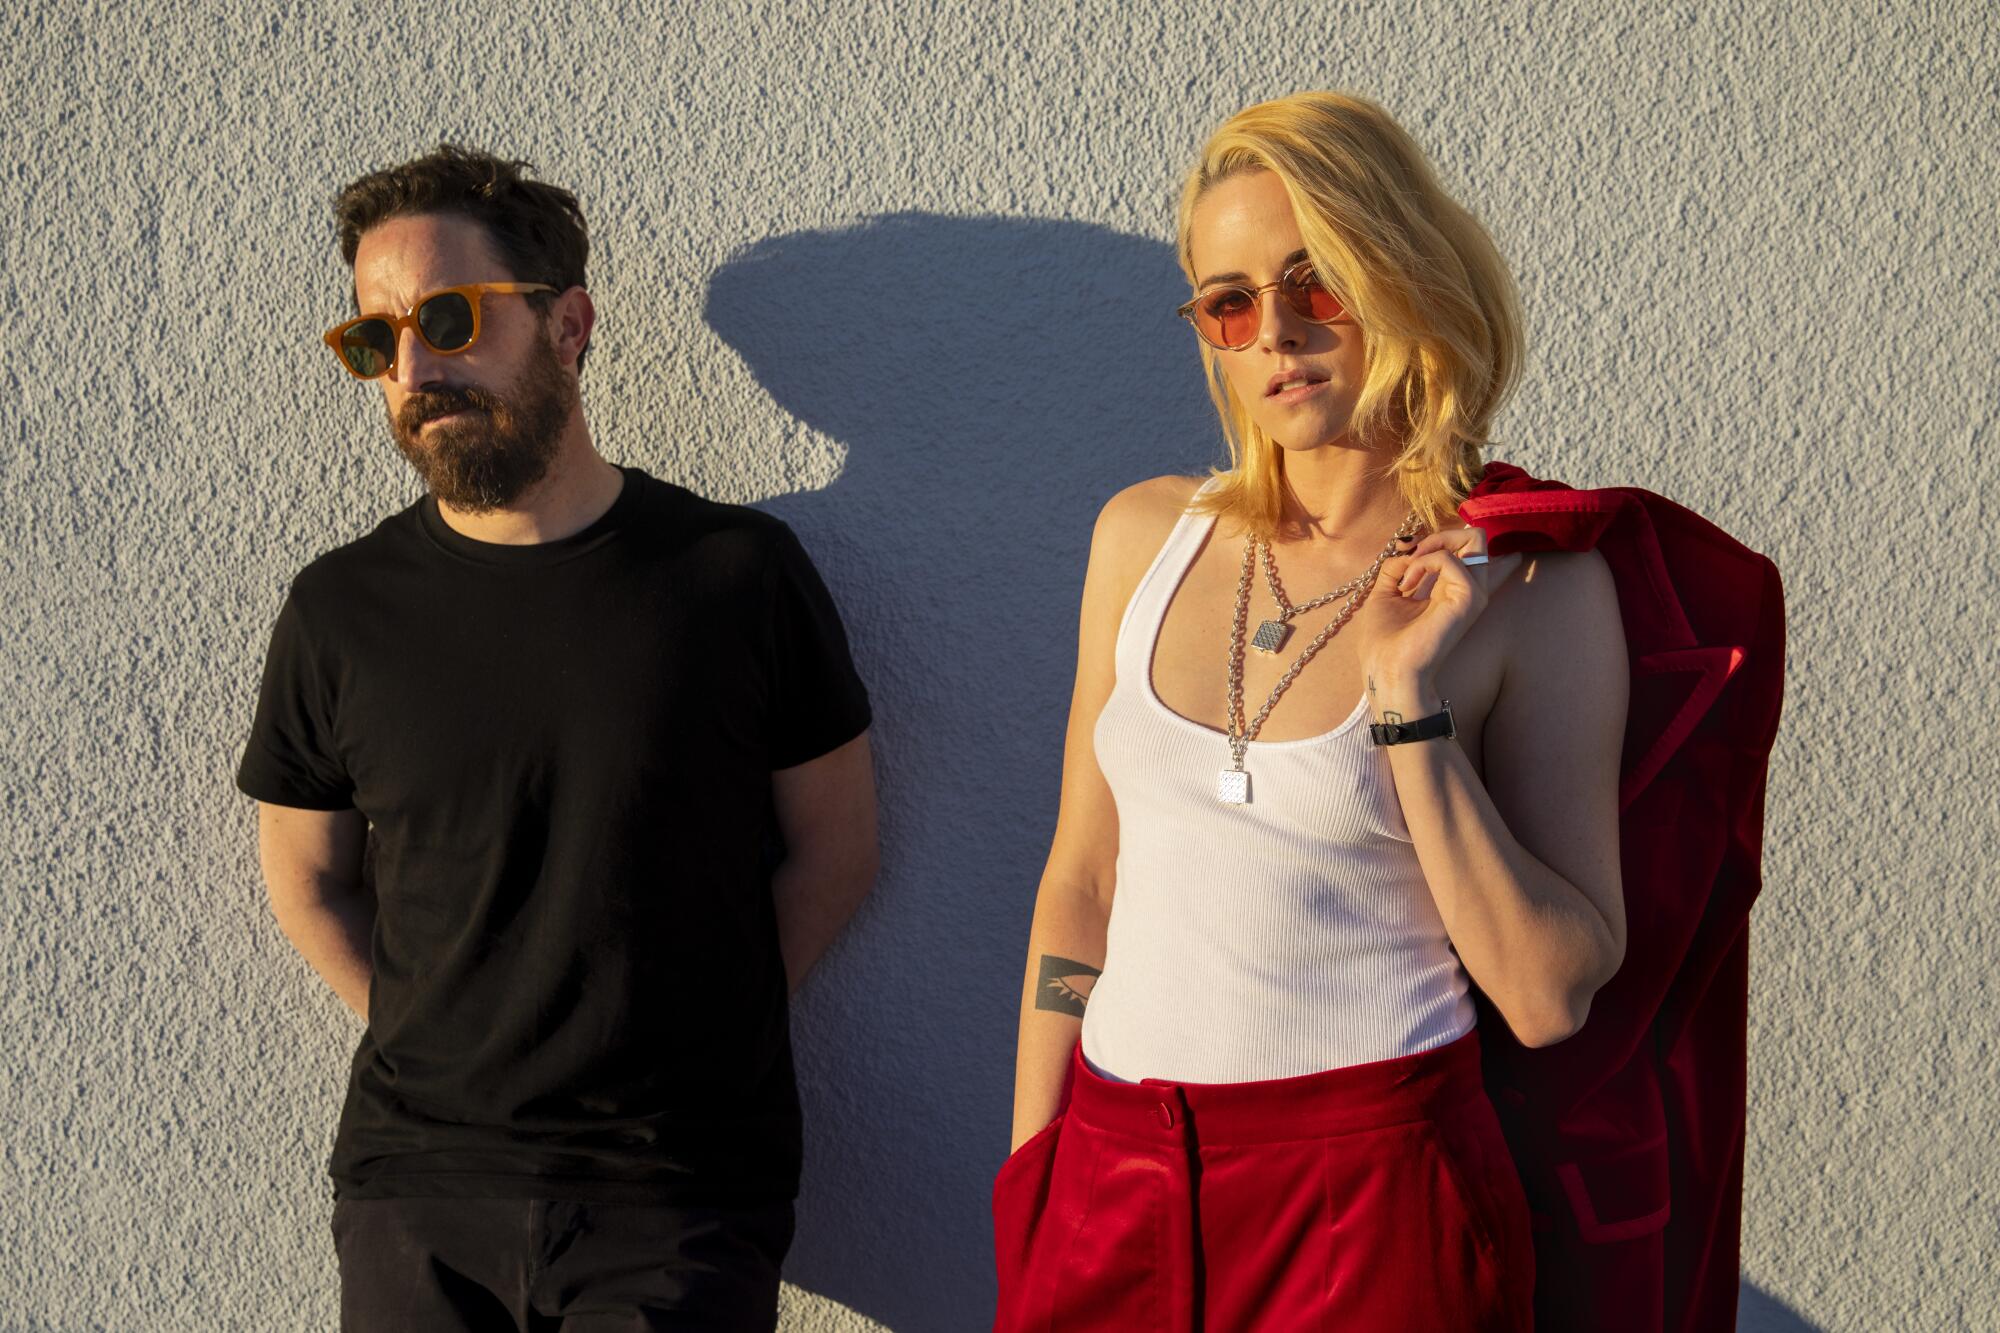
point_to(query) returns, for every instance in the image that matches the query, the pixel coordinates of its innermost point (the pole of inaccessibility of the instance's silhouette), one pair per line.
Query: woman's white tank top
(1286, 936)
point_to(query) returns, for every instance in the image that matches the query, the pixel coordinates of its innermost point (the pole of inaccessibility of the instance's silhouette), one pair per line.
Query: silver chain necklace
(1232, 784)
(1271, 634)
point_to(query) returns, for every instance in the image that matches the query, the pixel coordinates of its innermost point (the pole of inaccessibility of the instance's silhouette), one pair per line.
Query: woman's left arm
(1524, 865)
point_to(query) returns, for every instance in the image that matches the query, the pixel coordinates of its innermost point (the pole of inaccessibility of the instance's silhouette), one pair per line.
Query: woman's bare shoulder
(1132, 527)
(1144, 512)
(1561, 614)
(1552, 586)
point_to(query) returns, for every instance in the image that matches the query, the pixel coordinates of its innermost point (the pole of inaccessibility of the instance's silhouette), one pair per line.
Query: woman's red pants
(1378, 1197)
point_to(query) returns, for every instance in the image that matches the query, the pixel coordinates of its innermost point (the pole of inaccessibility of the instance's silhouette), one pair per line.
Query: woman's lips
(1299, 393)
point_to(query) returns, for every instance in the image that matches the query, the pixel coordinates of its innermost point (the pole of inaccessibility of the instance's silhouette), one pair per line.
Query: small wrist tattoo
(1065, 985)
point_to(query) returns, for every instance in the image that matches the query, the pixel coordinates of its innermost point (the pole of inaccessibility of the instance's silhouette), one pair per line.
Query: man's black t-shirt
(565, 750)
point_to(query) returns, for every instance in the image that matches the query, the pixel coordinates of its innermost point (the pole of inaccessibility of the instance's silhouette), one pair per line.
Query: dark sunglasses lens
(368, 347)
(1310, 297)
(446, 320)
(1227, 318)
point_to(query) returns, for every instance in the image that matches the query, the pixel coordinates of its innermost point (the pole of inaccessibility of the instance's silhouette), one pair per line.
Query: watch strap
(1421, 729)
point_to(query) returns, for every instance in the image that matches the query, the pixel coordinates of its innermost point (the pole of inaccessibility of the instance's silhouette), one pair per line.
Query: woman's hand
(1422, 603)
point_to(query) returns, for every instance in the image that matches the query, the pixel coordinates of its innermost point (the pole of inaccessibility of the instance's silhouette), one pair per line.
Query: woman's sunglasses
(447, 321)
(1228, 317)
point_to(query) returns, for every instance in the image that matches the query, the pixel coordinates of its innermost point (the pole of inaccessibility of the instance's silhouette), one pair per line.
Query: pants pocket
(1477, 1148)
(1080, 1227)
(1474, 1154)
(1038, 1146)
(1097, 1261)
(1468, 1181)
(1020, 1199)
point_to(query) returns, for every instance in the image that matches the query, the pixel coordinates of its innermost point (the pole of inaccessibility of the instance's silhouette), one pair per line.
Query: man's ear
(572, 316)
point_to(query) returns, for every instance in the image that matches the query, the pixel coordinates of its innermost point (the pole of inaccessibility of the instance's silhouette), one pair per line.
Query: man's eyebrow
(1290, 259)
(389, 313)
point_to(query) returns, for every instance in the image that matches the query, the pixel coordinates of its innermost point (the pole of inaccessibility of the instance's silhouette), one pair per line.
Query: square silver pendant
(1271, 636)
(1232, 787)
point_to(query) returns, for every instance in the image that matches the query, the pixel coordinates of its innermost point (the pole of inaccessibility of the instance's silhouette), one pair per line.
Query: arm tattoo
(1065, 985)
(1390, 716)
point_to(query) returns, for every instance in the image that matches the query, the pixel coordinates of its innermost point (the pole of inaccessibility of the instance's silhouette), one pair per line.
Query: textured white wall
(903, 275)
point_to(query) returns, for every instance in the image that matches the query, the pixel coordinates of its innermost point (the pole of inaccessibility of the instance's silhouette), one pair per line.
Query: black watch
(1423, 729)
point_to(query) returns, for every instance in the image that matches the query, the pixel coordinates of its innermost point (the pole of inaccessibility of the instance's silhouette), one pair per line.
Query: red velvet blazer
(1629, 1135)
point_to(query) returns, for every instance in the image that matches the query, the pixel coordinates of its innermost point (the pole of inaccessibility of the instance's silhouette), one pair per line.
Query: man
(611, 752)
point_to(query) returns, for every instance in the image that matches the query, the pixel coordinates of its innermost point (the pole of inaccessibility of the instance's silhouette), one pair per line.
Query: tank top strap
(1140, 627)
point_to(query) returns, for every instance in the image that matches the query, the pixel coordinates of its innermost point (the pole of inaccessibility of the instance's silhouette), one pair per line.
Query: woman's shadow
(994, 381)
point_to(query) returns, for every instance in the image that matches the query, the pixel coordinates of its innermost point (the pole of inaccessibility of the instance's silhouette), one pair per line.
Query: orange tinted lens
(368, 347)
(1307, 295)
(1228, 317)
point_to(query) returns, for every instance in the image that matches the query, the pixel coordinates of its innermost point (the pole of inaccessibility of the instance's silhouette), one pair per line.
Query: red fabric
(1629, 1136)
(1376, 1196)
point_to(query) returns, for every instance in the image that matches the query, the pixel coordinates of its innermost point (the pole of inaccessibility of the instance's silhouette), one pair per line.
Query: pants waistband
(1334, 1101)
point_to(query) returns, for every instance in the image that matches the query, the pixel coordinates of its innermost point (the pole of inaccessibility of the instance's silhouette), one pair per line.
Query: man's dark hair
(537, 227)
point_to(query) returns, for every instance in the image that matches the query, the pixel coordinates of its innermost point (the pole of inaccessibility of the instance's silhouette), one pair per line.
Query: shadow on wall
(994, 381)
(1757, 1311)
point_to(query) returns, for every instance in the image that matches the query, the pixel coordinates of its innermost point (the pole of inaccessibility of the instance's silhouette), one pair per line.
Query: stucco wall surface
(902, 275)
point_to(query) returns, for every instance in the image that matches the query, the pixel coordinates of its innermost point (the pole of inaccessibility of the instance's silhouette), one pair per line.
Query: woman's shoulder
(1558, 603)
(1145, 511)
(1131, 528)
(1556, 583)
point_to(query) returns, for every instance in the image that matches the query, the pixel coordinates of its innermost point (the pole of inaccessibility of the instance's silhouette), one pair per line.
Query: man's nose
(417, 366)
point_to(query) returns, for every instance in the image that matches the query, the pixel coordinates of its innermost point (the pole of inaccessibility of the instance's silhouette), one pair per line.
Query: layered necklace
(1232, 785)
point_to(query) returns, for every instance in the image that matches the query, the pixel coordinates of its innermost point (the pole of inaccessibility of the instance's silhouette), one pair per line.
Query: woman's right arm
(1073, 904)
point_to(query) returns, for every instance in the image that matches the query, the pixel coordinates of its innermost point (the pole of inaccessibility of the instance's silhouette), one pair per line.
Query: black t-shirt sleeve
(290, 758)
(817, 701)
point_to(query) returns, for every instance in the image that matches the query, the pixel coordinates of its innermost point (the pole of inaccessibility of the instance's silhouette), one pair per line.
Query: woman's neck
(1337, 493)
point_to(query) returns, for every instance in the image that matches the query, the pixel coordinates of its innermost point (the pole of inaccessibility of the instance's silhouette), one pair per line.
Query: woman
(1326, 769)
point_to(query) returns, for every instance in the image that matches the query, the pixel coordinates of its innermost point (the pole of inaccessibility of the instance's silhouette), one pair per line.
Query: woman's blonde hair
(1440, 321)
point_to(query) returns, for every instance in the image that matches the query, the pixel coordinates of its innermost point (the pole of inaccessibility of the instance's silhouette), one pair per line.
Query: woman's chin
(1295, 441)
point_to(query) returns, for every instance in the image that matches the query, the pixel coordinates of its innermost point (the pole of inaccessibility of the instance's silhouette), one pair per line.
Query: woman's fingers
(1425, 567)
(1456, 553)
(1424, 571)
(1464, 541)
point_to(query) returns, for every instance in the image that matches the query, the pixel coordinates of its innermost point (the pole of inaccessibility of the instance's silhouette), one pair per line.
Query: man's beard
(505, 445)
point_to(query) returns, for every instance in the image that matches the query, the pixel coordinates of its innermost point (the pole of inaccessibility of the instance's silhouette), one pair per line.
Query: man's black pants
(556, 1266)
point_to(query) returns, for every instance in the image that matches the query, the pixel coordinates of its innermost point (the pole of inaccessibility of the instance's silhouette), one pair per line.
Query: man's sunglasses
(1228, 317)
(447, 321)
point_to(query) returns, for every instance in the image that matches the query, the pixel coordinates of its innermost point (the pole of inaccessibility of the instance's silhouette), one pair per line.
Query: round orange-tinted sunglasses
(1229, 317)
(447, 320)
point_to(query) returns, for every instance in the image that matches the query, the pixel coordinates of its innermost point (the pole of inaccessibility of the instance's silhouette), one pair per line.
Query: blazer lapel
(1672, 691)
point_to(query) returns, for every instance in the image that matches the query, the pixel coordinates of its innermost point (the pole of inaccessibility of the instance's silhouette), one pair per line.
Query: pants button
(1164, 1113)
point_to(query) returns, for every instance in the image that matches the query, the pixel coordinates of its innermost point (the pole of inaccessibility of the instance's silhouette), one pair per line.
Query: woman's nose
(1279, 327)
